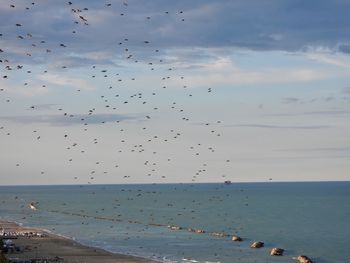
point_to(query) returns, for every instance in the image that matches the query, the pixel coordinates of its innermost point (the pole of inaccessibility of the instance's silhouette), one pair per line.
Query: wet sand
(59, 249)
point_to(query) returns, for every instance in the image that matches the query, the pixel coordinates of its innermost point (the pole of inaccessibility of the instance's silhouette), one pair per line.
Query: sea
(304, 218)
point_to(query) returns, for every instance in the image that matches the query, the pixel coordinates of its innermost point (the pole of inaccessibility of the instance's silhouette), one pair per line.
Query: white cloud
(277, 37)
(60, 80)
(14, 48)
(203, 11)
(224, 72)
(26, 91)
(331, 59)
(99, 17)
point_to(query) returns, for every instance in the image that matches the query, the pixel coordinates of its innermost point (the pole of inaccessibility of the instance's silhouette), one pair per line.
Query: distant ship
(228, 182)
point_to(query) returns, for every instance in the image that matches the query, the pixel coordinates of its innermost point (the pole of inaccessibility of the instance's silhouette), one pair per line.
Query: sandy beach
(30, 243)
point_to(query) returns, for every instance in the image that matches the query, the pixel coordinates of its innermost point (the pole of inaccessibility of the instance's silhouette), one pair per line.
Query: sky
(95, 92)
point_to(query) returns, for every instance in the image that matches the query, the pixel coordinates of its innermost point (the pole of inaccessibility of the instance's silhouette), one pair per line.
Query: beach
(32, 243)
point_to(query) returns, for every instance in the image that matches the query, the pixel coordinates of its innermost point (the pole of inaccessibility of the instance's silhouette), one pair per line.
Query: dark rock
(304, 259)
(277, 251)
(257, 244)
(236, 238)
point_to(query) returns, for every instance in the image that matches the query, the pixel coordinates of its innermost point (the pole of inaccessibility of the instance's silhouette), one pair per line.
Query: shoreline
(35, 243)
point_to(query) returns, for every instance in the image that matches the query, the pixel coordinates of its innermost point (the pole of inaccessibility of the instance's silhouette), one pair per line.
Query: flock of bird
(114, 103)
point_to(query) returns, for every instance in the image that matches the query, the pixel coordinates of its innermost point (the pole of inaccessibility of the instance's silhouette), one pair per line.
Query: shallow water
(303, 218)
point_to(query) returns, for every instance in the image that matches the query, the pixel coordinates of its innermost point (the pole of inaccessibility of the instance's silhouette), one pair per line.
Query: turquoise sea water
(302, 218)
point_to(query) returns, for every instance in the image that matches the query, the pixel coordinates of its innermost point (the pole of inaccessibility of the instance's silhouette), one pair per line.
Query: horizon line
(180, 183)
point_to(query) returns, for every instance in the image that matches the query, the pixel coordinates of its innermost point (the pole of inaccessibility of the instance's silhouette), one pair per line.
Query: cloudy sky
(174, 91)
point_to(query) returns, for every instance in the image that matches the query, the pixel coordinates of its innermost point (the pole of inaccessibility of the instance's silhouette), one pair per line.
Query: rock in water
(277, 251)
(257, 244)
(304, 259)
(236, 238)
(32, 206)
